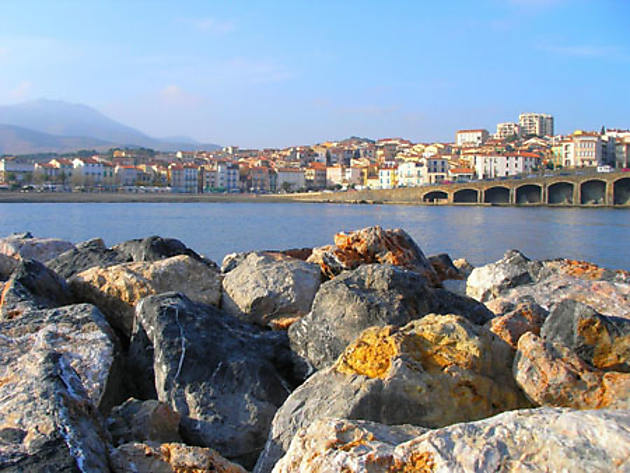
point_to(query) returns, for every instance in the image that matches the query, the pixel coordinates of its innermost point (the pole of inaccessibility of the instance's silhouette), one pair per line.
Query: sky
(280, 73)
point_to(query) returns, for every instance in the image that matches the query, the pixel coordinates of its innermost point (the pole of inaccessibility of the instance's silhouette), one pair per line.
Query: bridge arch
(621, 191)
(560, 193)
(593, 192)
(434, 196)
(466, 196)
(528, 194)
(497, 195)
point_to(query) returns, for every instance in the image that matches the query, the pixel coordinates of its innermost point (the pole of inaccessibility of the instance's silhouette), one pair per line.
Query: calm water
(480, 234)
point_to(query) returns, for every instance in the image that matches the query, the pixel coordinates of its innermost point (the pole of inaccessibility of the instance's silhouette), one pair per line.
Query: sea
(479, 234)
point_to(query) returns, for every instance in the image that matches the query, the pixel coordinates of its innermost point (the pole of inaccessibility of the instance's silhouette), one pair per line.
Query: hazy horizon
(261, 74)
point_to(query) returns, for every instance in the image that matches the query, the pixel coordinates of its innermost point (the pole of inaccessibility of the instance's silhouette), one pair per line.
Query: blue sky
(277, 73)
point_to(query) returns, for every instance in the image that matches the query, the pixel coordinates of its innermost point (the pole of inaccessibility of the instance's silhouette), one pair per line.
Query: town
(516, 149)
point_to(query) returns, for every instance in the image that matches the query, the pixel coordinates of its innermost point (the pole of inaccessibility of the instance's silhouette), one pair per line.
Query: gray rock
(267, 288)
(232, 260)
(533, 441)
(226, 378)
(371, 295)
(84, 256)
(601, 341)
(155, 248)
(514, 269)
(7, 266)
(140, 421)
(33, 286)
(444, 268)
(79, 333)
(47, 422)
(23, 245)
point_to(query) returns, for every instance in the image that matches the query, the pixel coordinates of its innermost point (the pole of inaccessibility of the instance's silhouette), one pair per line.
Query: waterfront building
(315, 175)
(183, 178)
(471, 137)
(538, 124)
(490, 166)
(410, 174)
(290, 179)
(87, 171)
(388, 177)
(126, 175)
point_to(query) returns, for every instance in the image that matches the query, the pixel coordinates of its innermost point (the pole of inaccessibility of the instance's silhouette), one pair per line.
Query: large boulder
(444, 267)
(371, 295)
(7, 266)
(549, 282)
(514, 269)
(117, 289)
(601, 341)
(270, 288)
(84, 256)
(141, 421)
(373, 245)
(47, 420)
(225, 378)
(78, 332)
(435, 371)
(551, 374)
(25, 246)
(170, 458)
(534, 441)
(32, 286)
(155, 248)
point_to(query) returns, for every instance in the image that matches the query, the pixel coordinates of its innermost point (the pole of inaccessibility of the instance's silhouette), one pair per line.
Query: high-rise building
(539, 124)
(505, 130)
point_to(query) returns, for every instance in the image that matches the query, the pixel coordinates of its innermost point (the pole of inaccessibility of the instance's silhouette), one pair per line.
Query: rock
(170, 458)
(526, 317)
(32, 286)
(514, 269)
(7, 266)
(370, 295)
(232, 260)
(47, 422)
(444, 268)
(266, 287)
(155, 248)
(226, 378)
(601, 341)
(79, 333)
(463, 266)
(432, 372)
(117, 289)
(373, 245)
(550, 374)
(84, 256)
(24, 246)
(500, 306)
(140, 421)
(535, 441)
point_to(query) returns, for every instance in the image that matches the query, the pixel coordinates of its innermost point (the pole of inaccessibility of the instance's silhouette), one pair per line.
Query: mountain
(67, 120)
(18, 140)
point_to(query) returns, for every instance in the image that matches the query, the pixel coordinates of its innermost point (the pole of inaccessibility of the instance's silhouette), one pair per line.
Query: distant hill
(18, 140)
(68, 121)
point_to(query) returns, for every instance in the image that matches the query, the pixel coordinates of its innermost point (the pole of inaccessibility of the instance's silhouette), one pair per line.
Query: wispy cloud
(588, 51)
(175, 96)
(211, 25)
(255, 71)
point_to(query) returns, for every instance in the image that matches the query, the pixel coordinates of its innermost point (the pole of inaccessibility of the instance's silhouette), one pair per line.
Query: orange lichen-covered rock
(170, 458)
(434, 371)
(550, 374)
(530, 440)
(526, 317)
(373, 245)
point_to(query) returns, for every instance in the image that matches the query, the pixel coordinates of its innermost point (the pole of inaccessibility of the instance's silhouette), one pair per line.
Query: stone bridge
(603, 189)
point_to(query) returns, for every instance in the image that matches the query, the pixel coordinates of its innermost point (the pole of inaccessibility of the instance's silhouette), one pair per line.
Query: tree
(286, 186)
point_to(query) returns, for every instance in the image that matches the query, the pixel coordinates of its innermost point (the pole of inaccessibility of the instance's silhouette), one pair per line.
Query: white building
(126, 175)
(539, 124)
(490, 166)
(87, 171)
(12, 170)
(410, 174)
(507, 129)
(290, 179)
(471, 137)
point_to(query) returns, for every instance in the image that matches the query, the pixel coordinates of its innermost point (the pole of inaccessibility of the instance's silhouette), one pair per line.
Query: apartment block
(471, 137)
(539, 124)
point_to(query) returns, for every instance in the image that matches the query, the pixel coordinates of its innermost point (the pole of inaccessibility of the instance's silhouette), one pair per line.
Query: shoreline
(348, 198)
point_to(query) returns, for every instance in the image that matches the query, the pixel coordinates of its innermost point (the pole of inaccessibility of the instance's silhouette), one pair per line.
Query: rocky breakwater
(146, 357)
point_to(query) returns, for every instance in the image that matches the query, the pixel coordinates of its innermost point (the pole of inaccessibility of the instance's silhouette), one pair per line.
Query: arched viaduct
(587, 190)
